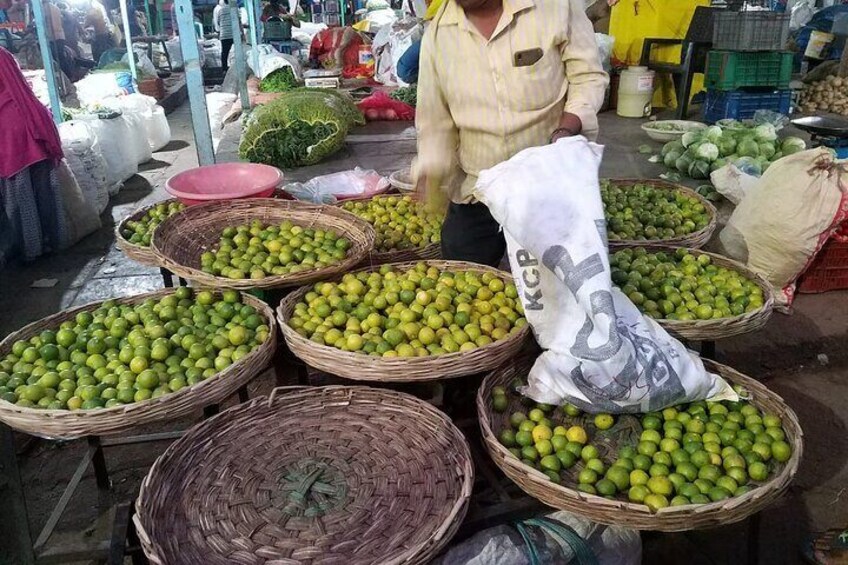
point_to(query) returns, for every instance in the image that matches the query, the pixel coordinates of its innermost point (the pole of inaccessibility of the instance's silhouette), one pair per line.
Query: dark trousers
(470, 233)
(226, 45)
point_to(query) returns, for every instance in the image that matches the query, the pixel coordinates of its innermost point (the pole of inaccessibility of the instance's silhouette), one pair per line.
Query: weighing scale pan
(831, 125)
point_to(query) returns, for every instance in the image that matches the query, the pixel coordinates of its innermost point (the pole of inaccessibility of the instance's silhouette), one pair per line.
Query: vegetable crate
(729, 70)
(750, 31)
(829, 270)
(741, 105)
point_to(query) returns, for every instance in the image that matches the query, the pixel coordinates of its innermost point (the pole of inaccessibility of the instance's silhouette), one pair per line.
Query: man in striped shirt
(497, 77)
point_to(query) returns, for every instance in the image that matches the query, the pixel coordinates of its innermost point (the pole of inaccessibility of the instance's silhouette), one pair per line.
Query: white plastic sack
(158, 129)
(732, 183)
(143, 62)
(327, 188)
(84, 157)
(389, 45)
(137, 138)
(82, 217)
(121, 162)
(94, 87)
(600, 354)
(157, 132)
(503, 545)
(605, 44)
(218, 105)
(269, 60)
(787, 217)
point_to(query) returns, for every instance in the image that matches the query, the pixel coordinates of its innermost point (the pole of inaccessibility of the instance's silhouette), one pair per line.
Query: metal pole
(254, 33)
(160, 22)
(14, 501)
(147, 14)
(342, 11)
(238, 46)
(47, 60)
(194, 83)
(128, 39)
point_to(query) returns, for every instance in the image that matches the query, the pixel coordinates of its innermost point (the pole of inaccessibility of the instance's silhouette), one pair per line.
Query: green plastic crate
(730, 70)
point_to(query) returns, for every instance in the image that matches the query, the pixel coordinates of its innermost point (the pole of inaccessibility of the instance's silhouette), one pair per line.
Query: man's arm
(587, 80)
(437, 133)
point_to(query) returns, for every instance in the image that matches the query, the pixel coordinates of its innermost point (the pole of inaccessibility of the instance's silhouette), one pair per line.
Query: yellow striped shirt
(477, 107)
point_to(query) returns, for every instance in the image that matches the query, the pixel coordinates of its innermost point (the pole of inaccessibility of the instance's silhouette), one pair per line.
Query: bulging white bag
(112, 135)
(137, 139)
(84, 157)
(600, 354)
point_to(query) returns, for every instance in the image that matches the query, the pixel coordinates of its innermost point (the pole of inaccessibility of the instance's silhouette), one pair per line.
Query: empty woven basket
(349, 475)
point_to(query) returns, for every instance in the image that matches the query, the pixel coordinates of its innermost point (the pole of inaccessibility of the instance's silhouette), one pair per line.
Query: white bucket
(635, 91)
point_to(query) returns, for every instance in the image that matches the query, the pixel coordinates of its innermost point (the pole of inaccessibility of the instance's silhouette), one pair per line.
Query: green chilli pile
(406, 94)
(300, 128)
(281, 80)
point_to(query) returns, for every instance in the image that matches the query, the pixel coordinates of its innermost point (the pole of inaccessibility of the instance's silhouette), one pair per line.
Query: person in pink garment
(32, 217)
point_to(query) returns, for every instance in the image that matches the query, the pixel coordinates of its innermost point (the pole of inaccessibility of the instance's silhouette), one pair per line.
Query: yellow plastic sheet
(632, 21)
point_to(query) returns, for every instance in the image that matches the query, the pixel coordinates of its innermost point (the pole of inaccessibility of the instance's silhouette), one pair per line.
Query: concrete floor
(801, 356)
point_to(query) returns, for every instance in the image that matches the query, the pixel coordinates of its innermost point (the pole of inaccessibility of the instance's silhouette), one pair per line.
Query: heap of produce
(751, 148)
(139, 232)
(280, 80)
(683, 286)
(646, 212)
(119, 353)
(406, 94)
(297, 129)
(692, 454)
(827, 95)
(258, 250)
(400, 222)
(410, 313)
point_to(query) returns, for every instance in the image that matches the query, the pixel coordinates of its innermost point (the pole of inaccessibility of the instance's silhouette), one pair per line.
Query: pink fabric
(28, 134)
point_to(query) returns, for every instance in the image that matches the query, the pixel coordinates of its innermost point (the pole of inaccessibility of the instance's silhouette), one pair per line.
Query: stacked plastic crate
(747, 69)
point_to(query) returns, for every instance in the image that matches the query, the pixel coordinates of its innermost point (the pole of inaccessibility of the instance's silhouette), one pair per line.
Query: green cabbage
(690, 137)
(699, 170)
(293, 131)
(726, 146)
(672, 146)
(766, 149)
(707, 152)
(792, 145)
(712, 134)
(671, 158)
(765, 132)
(717, 164)
(749, 165)
(776, 156)
(747, 147)
(683, 162)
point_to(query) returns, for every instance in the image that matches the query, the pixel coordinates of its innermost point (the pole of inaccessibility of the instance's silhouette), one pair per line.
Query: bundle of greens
(281, 80)
(406, 94)
(342, 102)
(294, 131)
(751, 148)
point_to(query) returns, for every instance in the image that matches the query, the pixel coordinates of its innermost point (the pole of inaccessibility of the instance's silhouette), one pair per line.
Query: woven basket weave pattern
(348, 475)
(179, 241)
(619, 512)
(361, 367)
(708, 330)
(694, 240)
(138, 253)
(67, 424)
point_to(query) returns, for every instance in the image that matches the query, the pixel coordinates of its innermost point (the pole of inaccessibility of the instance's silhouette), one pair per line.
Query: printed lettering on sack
(530, 281)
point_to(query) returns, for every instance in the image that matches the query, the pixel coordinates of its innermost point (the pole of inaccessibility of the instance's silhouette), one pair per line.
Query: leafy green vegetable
(712, 134)
(671, 158)
(671, 146)
(707, 152)
(747, 147)
(689, 138)
(645, 149)
(341, 101)
(281, 80)
(766, 149)
(765, 132)
(727, 146)
(699, 170)
(406, 94)
(792, 145)
(293, 131)
(682, 164)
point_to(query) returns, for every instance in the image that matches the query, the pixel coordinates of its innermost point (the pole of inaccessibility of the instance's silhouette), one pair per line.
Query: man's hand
(569, 125)
(429, 191)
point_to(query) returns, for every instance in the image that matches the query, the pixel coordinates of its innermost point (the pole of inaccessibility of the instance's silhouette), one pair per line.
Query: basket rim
(275, 281)
(389, 364)
(771, 489)
(39, 416)
(138, 253)
(461, 452)
(697, 238)
(757, 317)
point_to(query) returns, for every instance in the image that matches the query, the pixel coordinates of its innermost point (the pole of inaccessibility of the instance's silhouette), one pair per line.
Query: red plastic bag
(381, 106)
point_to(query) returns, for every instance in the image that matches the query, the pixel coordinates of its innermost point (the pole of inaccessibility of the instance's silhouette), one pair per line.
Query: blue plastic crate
(741, 105)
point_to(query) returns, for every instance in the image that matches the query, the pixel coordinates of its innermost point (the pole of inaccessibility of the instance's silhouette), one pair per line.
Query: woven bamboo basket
(710, 330)
(138, 253)
(333, 474)
(428, 252)
(361, 367)
(67, 424)
(620, 512)
(179, 241)
(694, 240)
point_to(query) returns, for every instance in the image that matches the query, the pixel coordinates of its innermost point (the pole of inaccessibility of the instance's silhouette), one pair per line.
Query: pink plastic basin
(224, 181)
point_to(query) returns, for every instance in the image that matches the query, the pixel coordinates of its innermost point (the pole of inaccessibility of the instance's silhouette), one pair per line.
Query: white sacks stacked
(600, 354)
(85, 159)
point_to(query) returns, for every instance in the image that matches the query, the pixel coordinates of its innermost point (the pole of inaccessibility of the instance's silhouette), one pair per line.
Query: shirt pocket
(535, 86)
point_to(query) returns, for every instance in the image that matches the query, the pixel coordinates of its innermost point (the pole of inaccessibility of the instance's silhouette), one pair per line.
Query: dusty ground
(802, 357)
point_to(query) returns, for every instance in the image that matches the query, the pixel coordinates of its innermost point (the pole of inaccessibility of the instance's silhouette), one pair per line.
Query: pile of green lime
(257, 250)
(682, 286)
(400, 222)
(692, 454)
(140, 231)
(120, 353)
(416, 312)
(646, 212)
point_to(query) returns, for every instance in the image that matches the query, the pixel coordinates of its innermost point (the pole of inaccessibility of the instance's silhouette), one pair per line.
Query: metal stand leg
(98, 461)
(14, 503)
(754, 539)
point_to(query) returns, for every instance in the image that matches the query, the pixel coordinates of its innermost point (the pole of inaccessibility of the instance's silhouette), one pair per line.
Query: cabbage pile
(751, 148)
